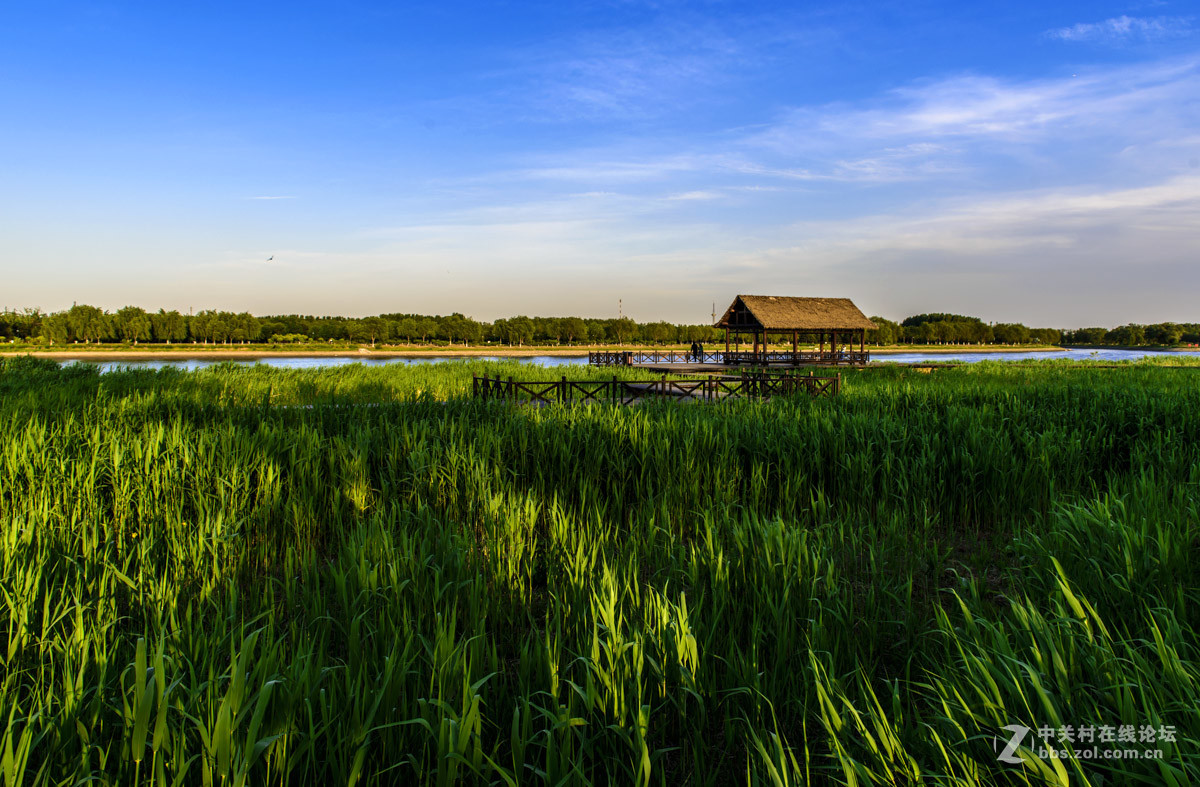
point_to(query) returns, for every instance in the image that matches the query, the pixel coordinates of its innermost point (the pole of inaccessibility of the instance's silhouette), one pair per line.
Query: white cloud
(979, 127)
(981, 106)
(1124, 28)
(1049, 218)
(955, 128)
(589, 167)
(691, 196)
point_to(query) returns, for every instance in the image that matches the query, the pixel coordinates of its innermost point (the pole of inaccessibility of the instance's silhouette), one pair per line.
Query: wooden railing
(753, 385)
(800, 357)
(636, 357)
(631, 357)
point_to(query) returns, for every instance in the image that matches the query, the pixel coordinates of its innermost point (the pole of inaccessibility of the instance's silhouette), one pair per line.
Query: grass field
(359, 576)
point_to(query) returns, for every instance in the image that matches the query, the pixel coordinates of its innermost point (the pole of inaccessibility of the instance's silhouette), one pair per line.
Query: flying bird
(270, 258)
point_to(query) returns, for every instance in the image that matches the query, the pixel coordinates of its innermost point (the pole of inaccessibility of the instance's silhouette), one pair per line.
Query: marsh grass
(245, 576)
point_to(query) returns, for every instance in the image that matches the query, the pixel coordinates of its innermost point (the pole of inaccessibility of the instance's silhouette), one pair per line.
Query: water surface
(322, 362)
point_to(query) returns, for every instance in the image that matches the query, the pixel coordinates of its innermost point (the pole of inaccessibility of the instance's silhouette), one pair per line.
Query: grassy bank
(243, 576)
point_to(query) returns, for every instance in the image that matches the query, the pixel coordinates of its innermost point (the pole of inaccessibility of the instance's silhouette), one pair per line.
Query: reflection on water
(321, 362)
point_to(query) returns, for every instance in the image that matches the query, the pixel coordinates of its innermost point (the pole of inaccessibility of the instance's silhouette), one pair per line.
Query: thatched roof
(785, 313)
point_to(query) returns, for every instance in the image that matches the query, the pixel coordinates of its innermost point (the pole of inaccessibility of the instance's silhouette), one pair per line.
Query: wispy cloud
(646, 71)
(693, 196)
(978, 132)
(593, 167)
(973, 124)
(974, 105)
(623, 74)
(1125, 28)
(991, 225)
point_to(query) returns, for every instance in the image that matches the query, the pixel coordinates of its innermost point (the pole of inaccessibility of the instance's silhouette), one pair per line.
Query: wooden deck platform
(726, 360)
(685, 368)
(707, 388)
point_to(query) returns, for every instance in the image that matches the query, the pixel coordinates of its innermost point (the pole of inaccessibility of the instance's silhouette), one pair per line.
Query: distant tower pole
(620, 309)
(714, 313)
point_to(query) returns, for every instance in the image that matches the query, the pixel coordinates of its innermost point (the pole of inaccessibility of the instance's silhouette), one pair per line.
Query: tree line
(939, 328)
(133, 325)
(85, 324)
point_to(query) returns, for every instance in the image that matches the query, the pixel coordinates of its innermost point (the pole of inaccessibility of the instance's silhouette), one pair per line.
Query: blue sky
(1017, 161)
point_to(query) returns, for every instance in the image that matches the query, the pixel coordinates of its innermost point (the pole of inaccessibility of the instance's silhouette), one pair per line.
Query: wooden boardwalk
(723, 360)
(694, 389)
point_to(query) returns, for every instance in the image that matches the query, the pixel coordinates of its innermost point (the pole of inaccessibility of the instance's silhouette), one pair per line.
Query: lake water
(1075, 355)
(318, 362)
(325, 362)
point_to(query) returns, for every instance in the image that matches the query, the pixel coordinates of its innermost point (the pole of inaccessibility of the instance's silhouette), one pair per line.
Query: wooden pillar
(822, 335)
(795, 343)
(862, 340)
(727, 340)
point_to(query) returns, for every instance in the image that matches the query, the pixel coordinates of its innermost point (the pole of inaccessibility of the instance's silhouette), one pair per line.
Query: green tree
(168, 326)
(457, 326)
(221, 327)
(56, 329)
(1127, 335)
(132, 324)
(1045, 335)
(520, 330)
(22, 325)
(246, 327)
(574, 328)
(887, 332)
(407, 328)
(1085, 336)
(202, 325)
(426, 327)
(88, 324)
(622, 330)
(371, 329)
(1011, 333)
(1166, 333)
(658, 332)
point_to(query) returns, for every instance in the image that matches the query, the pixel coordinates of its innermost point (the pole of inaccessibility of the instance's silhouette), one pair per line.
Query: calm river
(318, 362)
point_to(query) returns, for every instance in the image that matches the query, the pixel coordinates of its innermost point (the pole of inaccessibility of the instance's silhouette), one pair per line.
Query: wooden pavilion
(817, 319)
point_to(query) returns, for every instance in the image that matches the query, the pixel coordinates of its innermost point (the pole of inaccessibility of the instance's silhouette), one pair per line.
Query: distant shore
(194, 352)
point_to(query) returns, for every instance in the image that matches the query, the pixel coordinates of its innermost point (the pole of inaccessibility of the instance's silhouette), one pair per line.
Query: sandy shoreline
(365, 354)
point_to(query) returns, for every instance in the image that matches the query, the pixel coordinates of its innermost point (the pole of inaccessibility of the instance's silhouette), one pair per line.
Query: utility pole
(620, 309)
